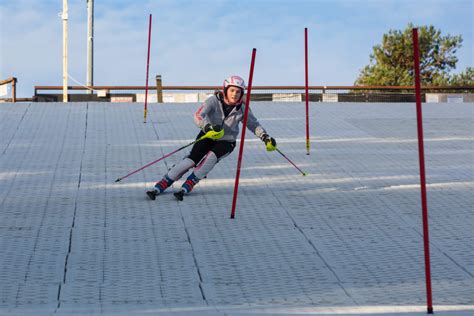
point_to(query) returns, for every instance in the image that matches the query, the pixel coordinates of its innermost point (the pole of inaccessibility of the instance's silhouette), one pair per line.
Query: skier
(218, 118)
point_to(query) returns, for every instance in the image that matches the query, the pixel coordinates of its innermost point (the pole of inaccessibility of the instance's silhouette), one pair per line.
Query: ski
(151, 194)
(179, 195)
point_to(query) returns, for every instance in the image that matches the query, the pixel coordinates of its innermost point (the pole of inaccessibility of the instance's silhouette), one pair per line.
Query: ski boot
(187, 186)
(159, 187)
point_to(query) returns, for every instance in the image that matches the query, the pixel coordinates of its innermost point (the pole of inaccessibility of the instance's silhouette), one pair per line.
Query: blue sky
(202, 42)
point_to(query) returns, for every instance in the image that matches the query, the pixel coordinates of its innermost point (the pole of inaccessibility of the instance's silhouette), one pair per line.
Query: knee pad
(206, 165)
(180, 168)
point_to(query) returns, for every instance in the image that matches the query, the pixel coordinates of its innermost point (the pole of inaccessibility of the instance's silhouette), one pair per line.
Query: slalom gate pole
(421, 154)
(303, 173)
(306, 87)
(161, 158)
(147, 68)
(242, 139)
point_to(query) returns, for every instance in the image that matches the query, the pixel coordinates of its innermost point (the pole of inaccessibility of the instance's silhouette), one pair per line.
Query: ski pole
(303, 173)
(159, 159)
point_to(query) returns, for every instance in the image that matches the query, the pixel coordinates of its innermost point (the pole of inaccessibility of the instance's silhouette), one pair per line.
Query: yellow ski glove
(270, 143)
(213, 132)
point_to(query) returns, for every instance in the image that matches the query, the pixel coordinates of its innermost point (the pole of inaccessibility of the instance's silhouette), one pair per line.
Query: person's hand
(270, 142)
(213, 131)
(210, 127)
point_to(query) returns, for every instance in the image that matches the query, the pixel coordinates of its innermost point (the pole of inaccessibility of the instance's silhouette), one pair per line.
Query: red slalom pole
(147, 68)
(306, 86)
(421, 153)
(242, 138)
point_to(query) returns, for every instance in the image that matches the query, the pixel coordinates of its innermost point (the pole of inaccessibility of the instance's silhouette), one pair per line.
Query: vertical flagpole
(306, 86)
(421, 154)
(65, 49)
(242, 138)
(147, 68)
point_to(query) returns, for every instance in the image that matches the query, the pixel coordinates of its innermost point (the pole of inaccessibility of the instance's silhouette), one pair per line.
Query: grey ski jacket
(211, 112)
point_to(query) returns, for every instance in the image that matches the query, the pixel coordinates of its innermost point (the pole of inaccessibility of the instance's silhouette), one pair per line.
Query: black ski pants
(200, 149)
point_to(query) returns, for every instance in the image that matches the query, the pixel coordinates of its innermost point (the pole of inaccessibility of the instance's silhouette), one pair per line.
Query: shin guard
(206, 165)
(180, 168)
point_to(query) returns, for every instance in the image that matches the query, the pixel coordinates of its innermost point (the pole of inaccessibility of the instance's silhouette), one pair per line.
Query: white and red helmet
(235, 81)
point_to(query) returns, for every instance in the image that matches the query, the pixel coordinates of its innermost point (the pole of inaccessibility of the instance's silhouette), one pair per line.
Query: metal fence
(181, 94)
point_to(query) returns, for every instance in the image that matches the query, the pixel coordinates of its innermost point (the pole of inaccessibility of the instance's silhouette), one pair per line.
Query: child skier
(218, 118)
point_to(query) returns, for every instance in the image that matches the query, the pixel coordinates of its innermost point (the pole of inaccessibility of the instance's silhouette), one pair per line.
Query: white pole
(90, 45)
(65, 58)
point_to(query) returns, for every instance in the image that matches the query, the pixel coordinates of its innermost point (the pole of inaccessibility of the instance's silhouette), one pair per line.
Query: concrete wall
(449, 97)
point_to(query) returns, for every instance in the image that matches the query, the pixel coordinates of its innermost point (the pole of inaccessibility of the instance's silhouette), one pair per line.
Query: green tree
(465, 78)
(391, 62)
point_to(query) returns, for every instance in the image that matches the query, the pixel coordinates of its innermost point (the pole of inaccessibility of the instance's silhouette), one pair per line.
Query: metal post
(65, 57)
(14, 90)
(159, 89)
(90, 45)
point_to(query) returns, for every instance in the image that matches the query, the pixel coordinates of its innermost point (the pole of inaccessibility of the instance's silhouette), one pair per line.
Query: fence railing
(259, 93)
